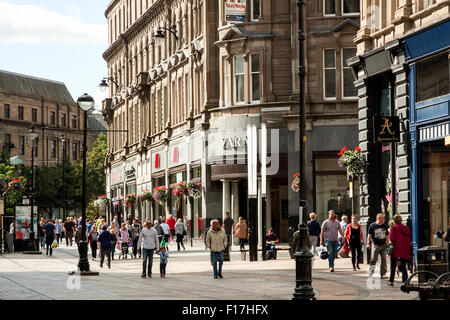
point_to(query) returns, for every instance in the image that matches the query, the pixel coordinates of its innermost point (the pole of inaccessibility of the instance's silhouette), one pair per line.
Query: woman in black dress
(354, 237)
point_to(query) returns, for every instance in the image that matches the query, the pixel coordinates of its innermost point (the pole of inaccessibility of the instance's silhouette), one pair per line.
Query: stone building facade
(398, 44)
(46, 104)
(187, 101)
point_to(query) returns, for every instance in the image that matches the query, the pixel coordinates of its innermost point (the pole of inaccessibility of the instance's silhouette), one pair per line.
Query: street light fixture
(86, 103)
(160, 34)
(34, 246)
(63, 142)
(104, 84)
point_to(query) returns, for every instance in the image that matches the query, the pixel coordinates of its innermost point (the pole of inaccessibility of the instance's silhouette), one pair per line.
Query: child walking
(163, 259)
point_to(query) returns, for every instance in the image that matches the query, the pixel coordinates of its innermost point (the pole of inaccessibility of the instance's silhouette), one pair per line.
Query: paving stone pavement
(189, 276)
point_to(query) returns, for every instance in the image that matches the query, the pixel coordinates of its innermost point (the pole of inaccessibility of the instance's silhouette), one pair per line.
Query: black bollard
(303, 268)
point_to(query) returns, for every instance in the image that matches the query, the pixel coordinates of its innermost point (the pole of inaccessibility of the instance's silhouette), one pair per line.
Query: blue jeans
(270, 248)
(332, 251)
(42, 242)
(214, 262)
(147, 254)
(339, 245)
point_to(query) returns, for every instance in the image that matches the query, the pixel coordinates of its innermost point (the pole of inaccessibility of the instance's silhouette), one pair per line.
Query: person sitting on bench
(271, 239)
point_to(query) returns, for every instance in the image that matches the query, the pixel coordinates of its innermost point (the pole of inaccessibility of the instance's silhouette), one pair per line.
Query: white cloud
(32, 24)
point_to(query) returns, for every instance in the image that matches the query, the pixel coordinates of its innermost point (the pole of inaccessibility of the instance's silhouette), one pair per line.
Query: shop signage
(235, 12)
(130, 172)
(386, 129)
(157, 160)
(234, 143)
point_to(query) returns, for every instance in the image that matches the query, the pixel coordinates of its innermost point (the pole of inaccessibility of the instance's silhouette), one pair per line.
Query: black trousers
(94, 248)
(104, 253)
(48, 244)
(180, 241)
(69, 236)
(162, 268)
(355, 246)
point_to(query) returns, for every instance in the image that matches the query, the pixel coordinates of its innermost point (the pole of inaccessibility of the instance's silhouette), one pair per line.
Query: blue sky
(61, 40)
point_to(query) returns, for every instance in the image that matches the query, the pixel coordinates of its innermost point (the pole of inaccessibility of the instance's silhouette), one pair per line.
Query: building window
(34, 115)
(63, 119)
(350, 6)
(432, 78)
(52, 117)
(53, 148)
(8, 142)
(255, 9)
(239, 79)
(74, 121)
(329, 73)
(329, 7)
(331, 187)
(226, 83)
(348, 88)
(22, 144)
(255, 79)
(7, 111)
(74, 151)
(20, 113)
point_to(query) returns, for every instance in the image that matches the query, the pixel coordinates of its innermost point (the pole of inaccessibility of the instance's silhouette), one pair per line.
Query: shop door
(440, 196)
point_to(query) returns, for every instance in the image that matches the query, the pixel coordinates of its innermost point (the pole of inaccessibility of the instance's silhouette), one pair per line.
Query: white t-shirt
(165, 228)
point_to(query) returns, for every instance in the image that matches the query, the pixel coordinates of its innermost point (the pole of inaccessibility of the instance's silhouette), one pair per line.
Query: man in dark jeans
(228, 225)
(50, 234)
(149, 241)
(105, 241)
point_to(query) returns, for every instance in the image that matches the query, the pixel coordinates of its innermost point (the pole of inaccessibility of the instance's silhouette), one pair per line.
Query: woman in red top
(353, 235)
(400, 237)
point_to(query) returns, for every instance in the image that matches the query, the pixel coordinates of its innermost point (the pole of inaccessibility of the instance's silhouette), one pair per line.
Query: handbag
(54, 244)
(343, 253)
(184, 232)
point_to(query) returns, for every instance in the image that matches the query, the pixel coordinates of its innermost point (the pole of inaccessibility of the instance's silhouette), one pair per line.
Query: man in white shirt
(148, 238)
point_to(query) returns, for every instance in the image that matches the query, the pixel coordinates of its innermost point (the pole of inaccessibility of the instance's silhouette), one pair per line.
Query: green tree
(95, 168)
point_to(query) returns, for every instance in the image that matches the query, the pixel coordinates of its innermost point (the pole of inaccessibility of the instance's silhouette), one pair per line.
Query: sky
(61, 40)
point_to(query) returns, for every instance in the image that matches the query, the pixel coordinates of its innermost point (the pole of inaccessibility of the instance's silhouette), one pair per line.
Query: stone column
(225, 198)
(260, 233)
(235, 204)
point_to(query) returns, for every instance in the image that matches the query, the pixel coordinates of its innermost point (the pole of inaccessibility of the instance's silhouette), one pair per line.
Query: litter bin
(433, 259)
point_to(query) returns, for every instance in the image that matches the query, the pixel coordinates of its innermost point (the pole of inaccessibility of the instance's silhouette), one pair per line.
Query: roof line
(31, 77)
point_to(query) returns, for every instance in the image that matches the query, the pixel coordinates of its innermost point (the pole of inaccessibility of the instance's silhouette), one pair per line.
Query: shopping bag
(54, 244)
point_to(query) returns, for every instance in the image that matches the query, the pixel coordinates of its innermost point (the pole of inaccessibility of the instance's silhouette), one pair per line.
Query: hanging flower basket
(130, 199)
(179, 191)
(352, 160)
(101, 201)
(145, 195)
(160, 195)
(295, 185)
(195, 189)
(16, 184)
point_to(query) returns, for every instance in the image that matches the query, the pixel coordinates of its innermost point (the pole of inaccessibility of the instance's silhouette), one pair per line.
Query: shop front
(116, 192)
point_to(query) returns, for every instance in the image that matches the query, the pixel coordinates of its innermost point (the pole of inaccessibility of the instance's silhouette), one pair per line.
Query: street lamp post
(85, 102)
(303, 257)
(33, 135)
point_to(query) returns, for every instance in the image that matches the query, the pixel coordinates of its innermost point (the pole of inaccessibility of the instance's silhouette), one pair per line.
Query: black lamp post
(86, 103)
(303, 257)
(34, 245)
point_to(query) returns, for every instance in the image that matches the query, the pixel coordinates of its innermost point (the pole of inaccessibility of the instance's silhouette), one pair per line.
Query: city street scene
(209, 151)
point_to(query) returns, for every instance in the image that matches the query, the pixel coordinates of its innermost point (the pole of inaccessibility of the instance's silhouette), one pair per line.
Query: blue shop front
(428, 62)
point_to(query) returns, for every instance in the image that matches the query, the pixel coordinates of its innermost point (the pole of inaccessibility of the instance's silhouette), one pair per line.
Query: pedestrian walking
(344, 224)
(180, 233)
(400, 237)
(135, 230)
(240, 232)
(78, 235)
(124, 239)
(62, 230)
(216, 240)
(159, 229)
(59, 228)
(41, 233)
(148, 240)
(163, 259)
(228, 226)
(354, 237)
(92, 239)
(329, 236)
(129, 219)
(171, 222)
(49, 230)
(314, 232)
(206, 234)
(105, 244)
(166, 230)
(377, 241)
(69, 228)
(115, 241)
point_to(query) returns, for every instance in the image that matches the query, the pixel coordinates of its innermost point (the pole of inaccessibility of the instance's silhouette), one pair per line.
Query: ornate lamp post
(34, 245)
(63, 142)
(303, 257)
(86, 103)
